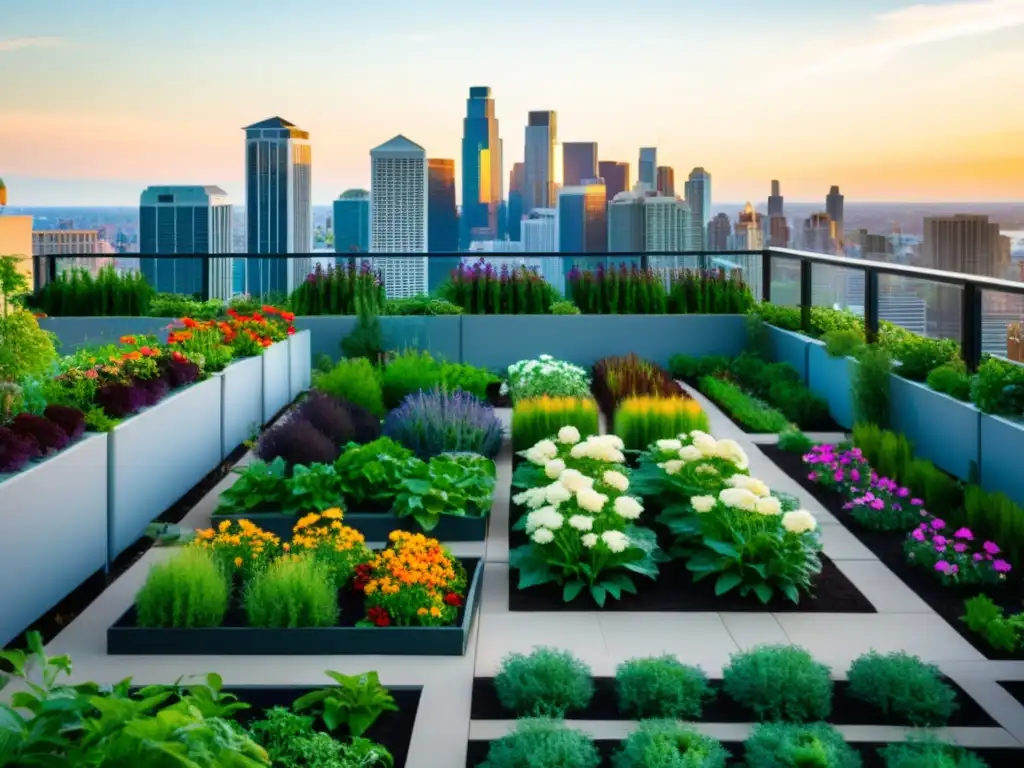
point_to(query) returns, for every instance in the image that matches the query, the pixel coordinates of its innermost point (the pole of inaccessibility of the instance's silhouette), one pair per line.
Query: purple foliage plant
(436, 422)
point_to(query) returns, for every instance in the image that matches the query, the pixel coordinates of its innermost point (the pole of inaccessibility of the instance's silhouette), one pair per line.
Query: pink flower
(855, 475)
(838, 476)
(940, 541)
(878, 504)
(943, 567)
(918, 534)
(978, 556)
(812, 476)
(1001, 566)
(917, 502)
(938, 525)
(902, 493)
(960, 547)
(991, 548)
(964, 533)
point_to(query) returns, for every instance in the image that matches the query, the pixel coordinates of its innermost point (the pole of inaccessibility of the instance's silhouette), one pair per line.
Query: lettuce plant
(450, 484)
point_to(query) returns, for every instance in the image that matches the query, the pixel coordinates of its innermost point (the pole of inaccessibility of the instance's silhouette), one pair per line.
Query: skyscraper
(648, 168)
(579, 162)
(668, 227)
(666, 181)
(719, 233)
(775, 201)
(748, 234)
(186, 220)
(583, 219)
(399, 214)
(482, 173)
(616, 177)
(539, 161)
(627, 223)
(442, 220)
(819, 233)
(278, 205)
(540, 231)
(698, 195)
(834, 209)
(516, 179)
(352, 223)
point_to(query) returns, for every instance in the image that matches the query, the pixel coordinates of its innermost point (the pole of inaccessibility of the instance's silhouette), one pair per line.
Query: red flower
(189, 322)
(453, 598)
(361, 577)
(269, 310)
(287, 316)
(266, 342)
(127, 339)
(379, 617)
(291, 330)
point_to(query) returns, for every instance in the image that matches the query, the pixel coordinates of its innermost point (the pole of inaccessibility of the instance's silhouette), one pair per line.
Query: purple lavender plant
(436, 422)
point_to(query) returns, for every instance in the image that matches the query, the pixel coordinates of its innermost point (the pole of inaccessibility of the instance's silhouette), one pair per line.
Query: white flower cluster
(749, 494)
(606, 448)
(701, 446)
(546, 365)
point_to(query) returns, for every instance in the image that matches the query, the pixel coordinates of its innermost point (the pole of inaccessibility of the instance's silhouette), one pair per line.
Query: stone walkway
(603, 640)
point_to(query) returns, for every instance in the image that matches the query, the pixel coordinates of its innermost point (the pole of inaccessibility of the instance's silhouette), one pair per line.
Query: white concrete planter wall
(242, 398)
(1001, 447)
(53, 532)
(300, 363)
(941, 428)
(276, 379)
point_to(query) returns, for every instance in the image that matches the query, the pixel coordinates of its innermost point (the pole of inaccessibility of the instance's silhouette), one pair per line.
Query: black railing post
(766, 275)
(870, 305)
(970, 325)
(806, 295)
(205, 274)
(645, 260)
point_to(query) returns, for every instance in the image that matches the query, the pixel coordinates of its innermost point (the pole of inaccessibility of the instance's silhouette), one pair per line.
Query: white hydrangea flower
(672, 467)
(554, 468)
(628, 508)
(702, 504)
(531, 497)
(616, 480)
(581, 522)
(591, 500)
(769, 505)
(706, 444)
(546, 448)
(580, 451)
(731, 450)
(613, 441)
(690, 453)
(752, 484)
(588, 540)
(543, 536)
(799, 521)
(556, 493)
(738, 498)
(568, 435)
(545, 517)
(669, 445)
(616, 541)
(573, 480)
(536, 457)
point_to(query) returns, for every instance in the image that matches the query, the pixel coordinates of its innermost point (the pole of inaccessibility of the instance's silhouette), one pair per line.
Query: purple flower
(1001, 566)
(902, 493)
(978, 556)
(918, 534)
(878, 504)
(938, 524)
(964, 533)
(812, 476)
(991, 548)
(940, 541)
(960, 547)
(943, 567)
(855, 475)
(838, 476)
(917, 502)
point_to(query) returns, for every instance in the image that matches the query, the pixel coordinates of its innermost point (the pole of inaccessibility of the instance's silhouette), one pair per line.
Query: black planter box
(375, 526)
(125, 638)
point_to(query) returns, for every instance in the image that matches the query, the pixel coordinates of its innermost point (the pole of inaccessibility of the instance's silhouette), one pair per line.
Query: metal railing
(972, 286)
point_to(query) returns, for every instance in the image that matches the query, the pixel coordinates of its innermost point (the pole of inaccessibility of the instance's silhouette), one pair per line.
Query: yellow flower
(334, 513)
(421, 611)
(238, 562)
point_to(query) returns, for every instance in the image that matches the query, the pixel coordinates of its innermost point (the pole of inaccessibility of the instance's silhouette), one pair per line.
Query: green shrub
(366, 340)
(951, 379)
(989, 620)
(293, 591)
(794, 441)
(337, 290)
(411, 371)
(793, 745)
(786, 318)
(661, 687)
(871, 383)
(421, 305)
(188, 590)
(779, 682)
(564, 308)
(372, 473)
(798, 404)
(544, 683)
(998, 387)
(918, 356)
(690, 368)
(668, 744)
(843, 343)
(354, 380)
(468, 378)
(639, 421)
(902, 686)
(750, 412)
(537, 418)
(76, 293)
(894, 454)
(26, 350)
(542, 743)
(929, 754)
(996, 516)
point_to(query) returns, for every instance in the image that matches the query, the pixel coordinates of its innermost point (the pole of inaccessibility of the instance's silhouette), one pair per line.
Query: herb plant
(951, 379)
(904, 687)
(641, 420)
(843, 343)
(188, 590)
(293, 591)
(661, 687)
(1000, 631)
(547, 376)
(871, 384)
(668, 744)
(752, 413)
(794, 441)
(795, 745)
(410, 372)
(542, 743)
(354, 703)
(537, 418)
(449, 484)
(355, 380)
(370, 474)
(291, 742)
(779, 682)
(260, 486)
(296, 441)
(544, 683)
(929, 754)
(431, 423)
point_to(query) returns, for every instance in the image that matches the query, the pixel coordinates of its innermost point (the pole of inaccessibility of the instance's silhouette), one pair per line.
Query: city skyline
(911, 102)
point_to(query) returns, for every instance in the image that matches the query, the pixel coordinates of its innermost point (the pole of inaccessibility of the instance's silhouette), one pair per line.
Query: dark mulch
(50, 624)
(948, 602)
(995, 758)
(846, 710)
(494, 397)
(1015, 688)
(392, 730)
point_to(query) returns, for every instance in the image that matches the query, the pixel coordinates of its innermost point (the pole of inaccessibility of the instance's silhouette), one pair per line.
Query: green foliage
(260, 487)
(409, 372)
(629, 290)
(779, 682)
(545, 683)
(460, 485)
(11, 401)
(293, 591)
(179, 306)
(546, 376)
(871, 383)
(311, 488)
(188, 590)
(903, 687)
(291, 742)
(661, 687)
(843, 343)
(338, 290)
(795, 745)
(998, 517)
(779, 385)
(759, 338)
(542, 743)
(372, 473)
(25, 348)
(564, 308)
(481, 290)
(754, 414)
(76, 293)
(639, 421)
(354, 380)
(468, 378)
(929, 754)
(354, 703)
(794, 441)
(786, 318)
(918, 356)
(421, 305)
(668, 744)
(366, 340)
(537, 418)
(14, 282)
(690, 368)
(988, 619)
(998, 387)
(951, 379)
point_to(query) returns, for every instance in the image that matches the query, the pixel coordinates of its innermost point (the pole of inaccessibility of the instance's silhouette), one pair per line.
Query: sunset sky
(892, 101)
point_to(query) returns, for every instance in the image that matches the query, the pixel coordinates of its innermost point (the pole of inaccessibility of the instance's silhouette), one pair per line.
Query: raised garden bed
(236, 638)
(947, 602)
(375, 526)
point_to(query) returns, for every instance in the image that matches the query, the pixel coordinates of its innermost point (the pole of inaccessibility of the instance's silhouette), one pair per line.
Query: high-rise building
(819, 234)
(579, 162)
(748, 234)
(616, 177)
(443, 221)
(583, 219)
(539, 190)
(834, 209)
(666, 181)
(719, 232)
(516, 179)
(81, 245)
(175, 220)
(648, 167)
(482, 170)
(775, 200)
(698, 195)
(278, 205)
(778, 232)
(668, 226)
(399, 215)
(351, 222)
(627, 223)
(540, 231)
